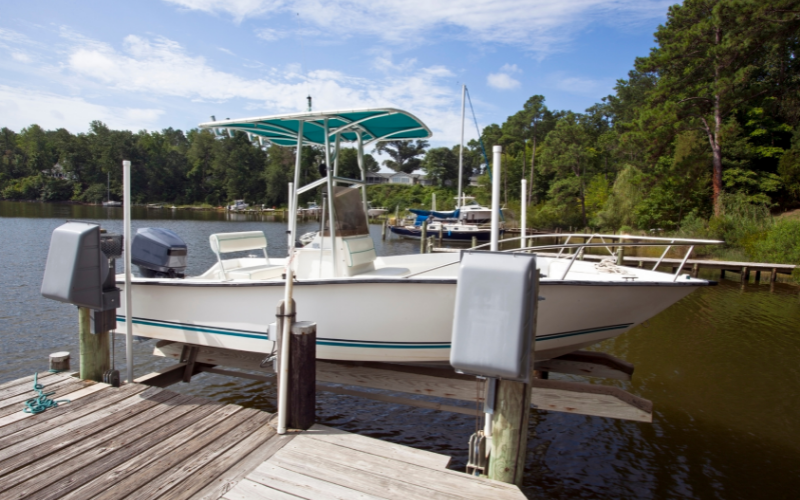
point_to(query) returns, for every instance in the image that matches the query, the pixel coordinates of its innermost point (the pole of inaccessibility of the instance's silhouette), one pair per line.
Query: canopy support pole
(331, 224)
(297, 165)
(360, 150)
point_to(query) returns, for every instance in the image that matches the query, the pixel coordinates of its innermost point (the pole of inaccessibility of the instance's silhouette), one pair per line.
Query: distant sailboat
(108, 202)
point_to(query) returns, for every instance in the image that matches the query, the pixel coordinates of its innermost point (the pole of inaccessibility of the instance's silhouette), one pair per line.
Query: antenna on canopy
(213, 118)
(309, 103)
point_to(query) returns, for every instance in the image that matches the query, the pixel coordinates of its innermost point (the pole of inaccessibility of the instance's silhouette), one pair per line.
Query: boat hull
(382, 320)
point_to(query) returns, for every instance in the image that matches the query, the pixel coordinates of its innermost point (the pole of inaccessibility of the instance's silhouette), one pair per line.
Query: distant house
(473, 180)
(398, 178)
(58, 172)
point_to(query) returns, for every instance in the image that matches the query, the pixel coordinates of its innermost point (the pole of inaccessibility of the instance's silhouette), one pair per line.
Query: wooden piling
(474, 241)
(722, 274)
(745, 274)
(773, 275)
(695, 270)
(620, 256)
(59, 361)
(95, 356)
(441, 233)
(510, 420)
(302, 376)
(423, 237)
(383, 230)
(758, 276)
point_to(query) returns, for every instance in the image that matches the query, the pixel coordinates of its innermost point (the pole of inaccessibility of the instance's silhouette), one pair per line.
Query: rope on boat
(609, 265)
(42, 400)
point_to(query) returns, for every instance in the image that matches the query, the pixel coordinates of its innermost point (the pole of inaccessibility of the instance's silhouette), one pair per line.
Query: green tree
(441, 165)
(404, 154)
(710, 60)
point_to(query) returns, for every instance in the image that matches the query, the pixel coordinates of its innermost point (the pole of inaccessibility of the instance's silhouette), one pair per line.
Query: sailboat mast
(461, 148)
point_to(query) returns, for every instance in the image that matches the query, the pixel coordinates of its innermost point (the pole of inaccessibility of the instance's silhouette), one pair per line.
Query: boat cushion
(360, 250)
(238, 242)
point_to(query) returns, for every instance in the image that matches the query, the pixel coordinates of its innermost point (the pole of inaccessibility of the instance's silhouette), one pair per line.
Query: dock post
(59, 361)
(745, 274)
(383, 230)
(302, 376)
(722, 274)
(695, 269)
(758, 276)
(512, 411)
(620, 256)
(95, 357)
(441, 233)
(423, 237)
(474, 241)
(773, 275)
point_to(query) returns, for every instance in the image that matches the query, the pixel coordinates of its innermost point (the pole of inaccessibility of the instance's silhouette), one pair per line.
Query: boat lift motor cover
(159, 253)
(78, 271)
(495, 315)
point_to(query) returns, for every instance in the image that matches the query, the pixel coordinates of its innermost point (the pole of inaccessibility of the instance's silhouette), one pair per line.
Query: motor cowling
(159, 253)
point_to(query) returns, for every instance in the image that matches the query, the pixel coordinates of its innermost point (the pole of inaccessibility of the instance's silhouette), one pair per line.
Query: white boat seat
(359, 254)
(240, 242)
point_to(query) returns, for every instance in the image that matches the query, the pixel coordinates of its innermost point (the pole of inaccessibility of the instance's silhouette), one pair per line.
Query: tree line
(710, 118)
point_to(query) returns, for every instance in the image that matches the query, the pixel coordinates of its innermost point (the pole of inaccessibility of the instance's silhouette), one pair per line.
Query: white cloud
(539, 25)
(578, 85)
(502, 81)
(21, 57)
(269, 34)
(160, 67)
(510, 68)
(20, 108)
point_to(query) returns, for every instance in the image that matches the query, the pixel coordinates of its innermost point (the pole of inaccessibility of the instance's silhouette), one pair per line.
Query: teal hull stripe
(348, 343)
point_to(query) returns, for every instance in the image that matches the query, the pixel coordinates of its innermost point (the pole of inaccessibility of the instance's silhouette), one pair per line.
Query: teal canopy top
(373, 125)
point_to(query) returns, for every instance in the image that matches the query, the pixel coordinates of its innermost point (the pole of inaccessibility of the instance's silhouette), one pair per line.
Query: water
(722, 368)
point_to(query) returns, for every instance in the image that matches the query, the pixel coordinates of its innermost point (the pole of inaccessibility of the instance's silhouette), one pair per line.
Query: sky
(153, 64)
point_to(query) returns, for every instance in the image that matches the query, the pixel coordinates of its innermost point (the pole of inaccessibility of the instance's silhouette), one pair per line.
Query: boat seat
(359, 254)
(264, 272)
(240, 242)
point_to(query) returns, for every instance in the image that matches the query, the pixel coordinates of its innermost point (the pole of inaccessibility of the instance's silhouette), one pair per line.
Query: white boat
(368, 307)
(373, 212)
(238, 205)
(109, 202)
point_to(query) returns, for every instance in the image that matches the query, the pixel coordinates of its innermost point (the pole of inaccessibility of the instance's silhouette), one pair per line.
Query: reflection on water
(722, 367)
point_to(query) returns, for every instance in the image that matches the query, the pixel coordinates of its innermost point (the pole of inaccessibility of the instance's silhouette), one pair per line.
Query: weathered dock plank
(145, 442)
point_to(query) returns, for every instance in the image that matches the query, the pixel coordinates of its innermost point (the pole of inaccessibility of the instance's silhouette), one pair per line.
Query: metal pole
(523, 215)
(360, 156)
(290, 210)
(331, 194)
(461, 147)
(497, 152)
(433, 201)
(283, 361)
(298, 158)
(126, 174)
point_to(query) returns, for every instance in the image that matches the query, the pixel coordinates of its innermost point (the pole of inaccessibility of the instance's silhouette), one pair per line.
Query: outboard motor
(159, 253)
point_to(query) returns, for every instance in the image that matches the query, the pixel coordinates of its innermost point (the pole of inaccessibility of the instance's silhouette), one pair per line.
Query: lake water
(722, 368)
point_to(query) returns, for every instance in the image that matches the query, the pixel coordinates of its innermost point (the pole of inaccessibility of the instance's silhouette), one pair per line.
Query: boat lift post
(127, 239)
(523, 214)
(497, 152)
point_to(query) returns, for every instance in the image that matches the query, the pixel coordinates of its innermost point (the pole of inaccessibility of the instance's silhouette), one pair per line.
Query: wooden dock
(143, 442)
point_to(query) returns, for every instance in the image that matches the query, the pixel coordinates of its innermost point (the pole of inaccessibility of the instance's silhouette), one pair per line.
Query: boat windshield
(351, 220)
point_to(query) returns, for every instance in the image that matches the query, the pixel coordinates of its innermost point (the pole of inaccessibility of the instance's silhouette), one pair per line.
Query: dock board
(142, 442)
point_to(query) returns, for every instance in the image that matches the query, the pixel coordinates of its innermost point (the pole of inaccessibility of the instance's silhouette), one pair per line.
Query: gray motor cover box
(76, 268)
(495, 315)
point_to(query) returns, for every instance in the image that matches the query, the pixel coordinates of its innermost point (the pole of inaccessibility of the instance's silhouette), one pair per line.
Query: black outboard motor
(159, 253)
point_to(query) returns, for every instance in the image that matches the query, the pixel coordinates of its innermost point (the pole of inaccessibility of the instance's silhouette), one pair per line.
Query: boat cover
(453, 214)
(383, 124)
